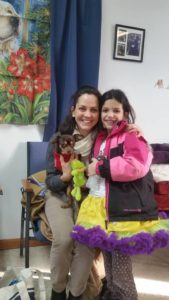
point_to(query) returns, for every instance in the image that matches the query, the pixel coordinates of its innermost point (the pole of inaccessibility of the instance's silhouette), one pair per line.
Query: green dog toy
(79, 179)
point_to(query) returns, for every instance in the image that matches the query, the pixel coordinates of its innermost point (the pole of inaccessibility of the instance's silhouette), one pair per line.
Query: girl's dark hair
(69, 124)
(120, 97)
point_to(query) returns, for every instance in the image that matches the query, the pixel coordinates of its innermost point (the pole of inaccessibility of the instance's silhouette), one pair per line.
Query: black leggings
(119, 275)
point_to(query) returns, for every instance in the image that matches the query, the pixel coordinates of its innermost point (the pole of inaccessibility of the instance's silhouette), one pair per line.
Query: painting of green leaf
(24, 61)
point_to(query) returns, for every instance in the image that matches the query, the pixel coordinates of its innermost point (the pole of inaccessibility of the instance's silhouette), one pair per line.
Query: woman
(67, 256)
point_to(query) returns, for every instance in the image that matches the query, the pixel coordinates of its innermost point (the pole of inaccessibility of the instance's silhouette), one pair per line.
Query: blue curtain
(75, 54)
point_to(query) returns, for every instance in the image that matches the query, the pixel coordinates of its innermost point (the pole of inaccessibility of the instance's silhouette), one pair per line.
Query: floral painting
(24, 61)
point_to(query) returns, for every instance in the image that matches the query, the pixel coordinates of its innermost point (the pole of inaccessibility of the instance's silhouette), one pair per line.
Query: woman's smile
(86, 113)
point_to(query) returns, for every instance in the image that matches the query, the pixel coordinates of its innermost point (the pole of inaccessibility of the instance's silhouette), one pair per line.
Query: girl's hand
(66, 169)
(134, 128)
(91, 169)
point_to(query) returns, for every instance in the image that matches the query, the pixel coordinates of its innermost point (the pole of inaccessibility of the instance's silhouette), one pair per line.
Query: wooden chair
(36, 161)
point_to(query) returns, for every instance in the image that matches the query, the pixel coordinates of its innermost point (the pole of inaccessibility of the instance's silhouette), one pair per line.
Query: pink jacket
(126, 167)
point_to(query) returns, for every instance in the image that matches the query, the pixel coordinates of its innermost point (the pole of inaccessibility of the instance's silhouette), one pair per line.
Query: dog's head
(9, 25)
(64, 143)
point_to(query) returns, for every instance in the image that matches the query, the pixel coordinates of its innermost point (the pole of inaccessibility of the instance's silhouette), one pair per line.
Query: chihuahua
(64, 145)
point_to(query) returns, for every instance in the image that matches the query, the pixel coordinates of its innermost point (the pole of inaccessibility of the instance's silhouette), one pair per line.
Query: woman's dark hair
(120, 97)
(69, 124)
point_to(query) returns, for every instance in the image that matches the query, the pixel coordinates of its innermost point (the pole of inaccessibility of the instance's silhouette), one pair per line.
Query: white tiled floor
(151, 272)
(39, 259)
(152, 275)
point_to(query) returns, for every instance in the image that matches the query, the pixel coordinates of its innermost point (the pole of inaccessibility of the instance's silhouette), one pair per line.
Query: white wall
(12, 170)
(136, 79)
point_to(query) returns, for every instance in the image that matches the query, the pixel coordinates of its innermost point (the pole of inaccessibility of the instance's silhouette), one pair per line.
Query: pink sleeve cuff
(100, 162)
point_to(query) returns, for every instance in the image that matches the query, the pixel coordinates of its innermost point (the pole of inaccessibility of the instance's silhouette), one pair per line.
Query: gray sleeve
(53, 181)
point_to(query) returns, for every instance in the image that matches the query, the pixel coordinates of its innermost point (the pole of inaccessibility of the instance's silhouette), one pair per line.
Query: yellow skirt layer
(93, 213)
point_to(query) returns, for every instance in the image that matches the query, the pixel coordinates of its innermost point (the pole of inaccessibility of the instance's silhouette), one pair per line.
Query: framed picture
(129, 43)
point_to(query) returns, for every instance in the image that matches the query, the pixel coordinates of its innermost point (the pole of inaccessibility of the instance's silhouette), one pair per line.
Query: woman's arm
(135, 128)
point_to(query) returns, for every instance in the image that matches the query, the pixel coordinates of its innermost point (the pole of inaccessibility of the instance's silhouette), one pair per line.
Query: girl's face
(86, 113)
(112, 112)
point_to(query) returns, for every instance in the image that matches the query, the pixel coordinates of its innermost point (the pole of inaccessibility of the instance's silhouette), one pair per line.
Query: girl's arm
(133, 164)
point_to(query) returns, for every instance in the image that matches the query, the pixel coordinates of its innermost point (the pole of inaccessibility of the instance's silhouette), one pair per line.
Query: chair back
(36, 157)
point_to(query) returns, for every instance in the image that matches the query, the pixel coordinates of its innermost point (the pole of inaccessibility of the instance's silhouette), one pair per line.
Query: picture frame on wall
(129, 43)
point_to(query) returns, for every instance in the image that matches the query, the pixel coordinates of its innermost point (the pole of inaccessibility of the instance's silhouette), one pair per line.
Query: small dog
(64, 143)
(65, 147)
(9, 29)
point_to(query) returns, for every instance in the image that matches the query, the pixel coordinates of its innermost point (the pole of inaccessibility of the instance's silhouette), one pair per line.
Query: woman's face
(86, 113)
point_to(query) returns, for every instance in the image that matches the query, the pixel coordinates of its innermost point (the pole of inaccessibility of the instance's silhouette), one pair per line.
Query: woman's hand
(66, 169)
(91, 169)
(134, 128)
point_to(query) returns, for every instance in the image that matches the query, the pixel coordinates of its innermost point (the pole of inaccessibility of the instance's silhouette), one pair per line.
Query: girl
(66, 256)
(120, 214)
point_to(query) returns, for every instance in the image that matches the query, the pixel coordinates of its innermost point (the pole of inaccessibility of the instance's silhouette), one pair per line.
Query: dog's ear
(55, 138)
(78, 137)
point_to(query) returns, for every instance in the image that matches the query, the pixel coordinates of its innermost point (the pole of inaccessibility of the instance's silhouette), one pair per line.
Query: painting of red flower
(25, 83)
